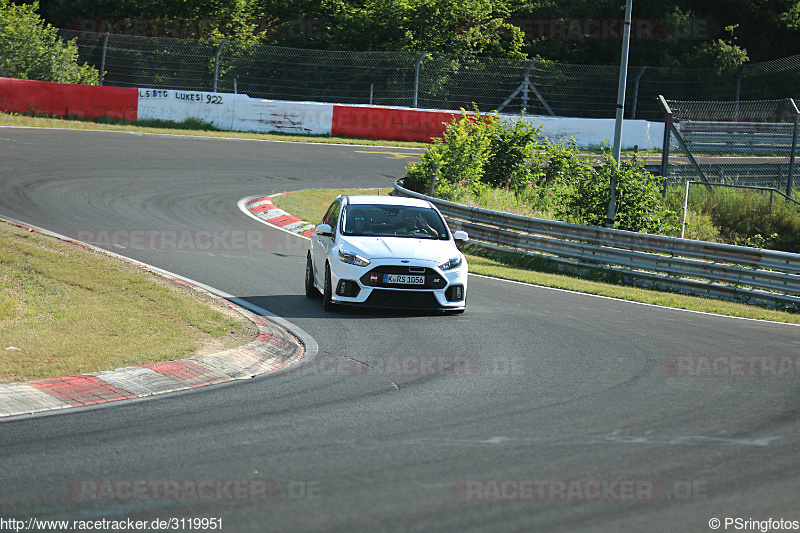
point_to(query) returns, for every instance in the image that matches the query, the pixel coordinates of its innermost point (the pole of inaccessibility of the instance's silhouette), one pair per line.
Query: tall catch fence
(746, 143)
(419, 79)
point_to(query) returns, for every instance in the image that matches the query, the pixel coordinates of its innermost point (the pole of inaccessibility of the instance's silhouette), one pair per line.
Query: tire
(327, 302)
(311, 290)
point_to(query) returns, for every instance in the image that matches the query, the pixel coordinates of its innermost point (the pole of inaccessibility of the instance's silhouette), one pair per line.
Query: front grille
(402, 299)
(375, 277)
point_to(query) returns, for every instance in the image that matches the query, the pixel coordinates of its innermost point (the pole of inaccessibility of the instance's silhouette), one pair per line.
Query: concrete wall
(238, 112)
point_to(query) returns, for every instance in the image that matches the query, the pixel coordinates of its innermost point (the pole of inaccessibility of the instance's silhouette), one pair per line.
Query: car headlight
(352, 259)
(450, 264)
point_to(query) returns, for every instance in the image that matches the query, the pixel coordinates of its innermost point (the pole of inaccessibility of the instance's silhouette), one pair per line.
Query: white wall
(238, 112)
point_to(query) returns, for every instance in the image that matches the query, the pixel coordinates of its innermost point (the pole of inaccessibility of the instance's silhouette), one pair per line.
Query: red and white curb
(273, 349)
(264, 210)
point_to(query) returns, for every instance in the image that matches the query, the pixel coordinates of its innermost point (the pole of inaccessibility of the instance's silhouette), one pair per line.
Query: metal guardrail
(749, 275)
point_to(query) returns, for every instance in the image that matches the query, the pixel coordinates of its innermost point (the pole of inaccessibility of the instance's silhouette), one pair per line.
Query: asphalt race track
(536, 410)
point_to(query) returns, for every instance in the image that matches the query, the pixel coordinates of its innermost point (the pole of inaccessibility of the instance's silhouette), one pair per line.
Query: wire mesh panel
(779, 78)
(159, 63)
(743, 143)
(379, 78)
(429, 80)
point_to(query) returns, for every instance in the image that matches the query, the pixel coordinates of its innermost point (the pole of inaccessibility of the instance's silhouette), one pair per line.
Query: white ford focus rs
(386, 251)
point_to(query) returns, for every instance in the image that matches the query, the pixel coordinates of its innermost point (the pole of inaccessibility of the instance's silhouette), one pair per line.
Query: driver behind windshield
(415, 223)
(356, 222)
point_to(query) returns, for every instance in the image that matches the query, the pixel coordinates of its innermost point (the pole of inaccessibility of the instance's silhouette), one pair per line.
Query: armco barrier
(703, 268)
(67, 99)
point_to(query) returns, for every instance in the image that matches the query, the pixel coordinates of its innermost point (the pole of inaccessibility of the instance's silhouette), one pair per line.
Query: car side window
(332, 216)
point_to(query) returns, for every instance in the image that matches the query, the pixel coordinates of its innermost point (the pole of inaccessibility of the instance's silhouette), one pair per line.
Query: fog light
(454, 293)
(347, 288)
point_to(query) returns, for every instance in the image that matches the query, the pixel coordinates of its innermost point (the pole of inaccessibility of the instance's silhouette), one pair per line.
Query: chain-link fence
(752, 143)
(419, 79)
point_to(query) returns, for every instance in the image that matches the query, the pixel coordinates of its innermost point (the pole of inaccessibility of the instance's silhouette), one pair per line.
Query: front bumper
(368, 286)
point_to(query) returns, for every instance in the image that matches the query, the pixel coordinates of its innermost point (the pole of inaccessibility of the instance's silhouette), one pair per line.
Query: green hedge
(481, 157)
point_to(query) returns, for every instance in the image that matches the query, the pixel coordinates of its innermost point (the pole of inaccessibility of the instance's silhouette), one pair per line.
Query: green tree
(468, 27)
(62, 12)
(31, 49)
(722, 54)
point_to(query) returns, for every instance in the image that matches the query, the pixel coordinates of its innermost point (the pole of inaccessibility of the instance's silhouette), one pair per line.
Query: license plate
(402, 279)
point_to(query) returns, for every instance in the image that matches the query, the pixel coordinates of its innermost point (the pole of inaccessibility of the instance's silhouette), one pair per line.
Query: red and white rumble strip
(274, 348)
(264, 209)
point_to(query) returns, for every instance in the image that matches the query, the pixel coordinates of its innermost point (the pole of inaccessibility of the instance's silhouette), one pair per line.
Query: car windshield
(393, 221)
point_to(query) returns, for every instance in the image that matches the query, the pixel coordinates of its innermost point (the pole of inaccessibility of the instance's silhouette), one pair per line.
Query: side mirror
(324, 230)
(461, 236)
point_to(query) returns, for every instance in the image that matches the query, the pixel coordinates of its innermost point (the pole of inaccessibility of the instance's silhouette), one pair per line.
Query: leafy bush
(457, 160)
(481, 155)
(638, 198)
(31, 49)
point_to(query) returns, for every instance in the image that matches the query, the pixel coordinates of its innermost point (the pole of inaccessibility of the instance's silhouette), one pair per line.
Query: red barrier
(67, 99)
(389, 123)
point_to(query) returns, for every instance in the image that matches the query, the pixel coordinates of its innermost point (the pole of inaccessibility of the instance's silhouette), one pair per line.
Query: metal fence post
(623, 81)
(432, 186)
(216, 65)
(738, 94)
(636, 92)
(416, 77)
(685, 207)
(103, 58)
(794, 148)
(667, 133)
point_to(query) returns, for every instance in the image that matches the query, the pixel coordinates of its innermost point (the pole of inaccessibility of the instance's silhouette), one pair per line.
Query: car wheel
(311, 290)
(327, 303)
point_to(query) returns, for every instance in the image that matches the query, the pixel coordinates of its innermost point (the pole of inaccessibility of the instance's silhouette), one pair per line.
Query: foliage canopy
(720, 34)
(31, 49)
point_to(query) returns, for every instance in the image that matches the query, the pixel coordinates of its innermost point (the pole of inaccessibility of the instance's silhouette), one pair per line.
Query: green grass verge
(68, 310)
(310, 205)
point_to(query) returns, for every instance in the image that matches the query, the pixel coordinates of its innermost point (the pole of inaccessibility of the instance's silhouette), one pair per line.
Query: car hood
(401, 247)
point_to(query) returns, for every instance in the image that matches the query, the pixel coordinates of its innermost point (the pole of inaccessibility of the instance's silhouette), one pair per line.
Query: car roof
(386, 200)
